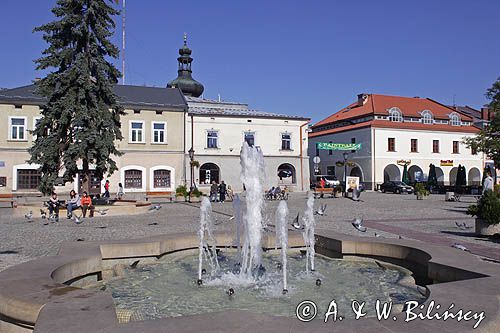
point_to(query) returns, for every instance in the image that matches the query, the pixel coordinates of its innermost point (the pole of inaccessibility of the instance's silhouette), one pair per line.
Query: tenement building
(164, 130)
(394, 131)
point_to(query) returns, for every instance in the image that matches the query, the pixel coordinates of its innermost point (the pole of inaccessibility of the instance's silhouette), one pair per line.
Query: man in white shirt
(488, 183)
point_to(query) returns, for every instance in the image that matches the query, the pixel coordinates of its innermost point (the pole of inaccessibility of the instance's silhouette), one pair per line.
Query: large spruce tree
(488, 139)
(81, 117)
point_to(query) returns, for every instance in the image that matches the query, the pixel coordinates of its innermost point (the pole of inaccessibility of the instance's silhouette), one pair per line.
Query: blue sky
(297, 57)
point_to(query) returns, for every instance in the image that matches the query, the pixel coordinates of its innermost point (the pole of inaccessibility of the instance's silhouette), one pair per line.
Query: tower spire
(184, 80)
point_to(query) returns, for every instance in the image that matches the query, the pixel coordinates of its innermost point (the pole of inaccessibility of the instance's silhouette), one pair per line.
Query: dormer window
(427, 117)
(454, 119)
(395, 115)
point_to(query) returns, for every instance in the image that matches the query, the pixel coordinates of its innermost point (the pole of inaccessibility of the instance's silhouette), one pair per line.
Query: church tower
(184, 80)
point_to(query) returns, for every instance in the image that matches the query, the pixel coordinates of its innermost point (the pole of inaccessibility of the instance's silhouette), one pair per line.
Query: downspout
(373, 159)
(184, 147)
(192, 148)
(301, 157)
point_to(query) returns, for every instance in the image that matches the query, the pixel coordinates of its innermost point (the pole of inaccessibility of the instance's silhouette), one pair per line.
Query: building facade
(216, 130)
(153, 144)
(394, 131)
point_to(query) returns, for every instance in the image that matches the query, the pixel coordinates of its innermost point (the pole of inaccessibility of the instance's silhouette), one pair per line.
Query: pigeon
(231, 218)
(134, 264)
(155, 207)
(358, 224)
(103, 211)
(77, 219)
(377, 235)
(296, 224)
(29, 216)
(153, 223)
(101, 227)
(400, 237)
(460, 247)
(321, 210)
(463, 226)
(43, 214)
(466, 226)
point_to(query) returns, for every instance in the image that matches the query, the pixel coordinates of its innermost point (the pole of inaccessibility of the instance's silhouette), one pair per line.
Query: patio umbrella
(405, 179)
(464, 176)
(431, 178)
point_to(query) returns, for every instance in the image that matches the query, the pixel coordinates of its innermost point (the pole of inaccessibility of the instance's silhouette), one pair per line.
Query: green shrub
(488, 208)
(196, 193)
(181, 191)
(421, 190)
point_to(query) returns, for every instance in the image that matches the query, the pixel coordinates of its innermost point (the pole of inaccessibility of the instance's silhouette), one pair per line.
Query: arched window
(427, 117)
(454, 119)
(161, 178)
(395, 115)
(133, 179)
(286, 174)
(209, 172)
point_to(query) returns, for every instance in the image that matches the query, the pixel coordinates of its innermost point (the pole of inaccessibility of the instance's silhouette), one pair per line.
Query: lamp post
(191, 158)
(345, 173)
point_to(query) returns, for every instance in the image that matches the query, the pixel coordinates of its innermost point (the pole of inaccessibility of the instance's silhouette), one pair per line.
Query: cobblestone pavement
(389, 215)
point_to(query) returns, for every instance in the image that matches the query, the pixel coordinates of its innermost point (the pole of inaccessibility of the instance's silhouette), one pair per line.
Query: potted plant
(181, 191)
(195, 195)
(487, 212)
(421, 192)
(338, 191)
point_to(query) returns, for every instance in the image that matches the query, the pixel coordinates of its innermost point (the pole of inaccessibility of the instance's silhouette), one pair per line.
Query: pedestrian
(120, 192)
(86, 202)
(54, 207)
(213, 191)
(488, 182)
(222, 192)
(73, 203)
(106, 189)
(230, 193)
(322, 182)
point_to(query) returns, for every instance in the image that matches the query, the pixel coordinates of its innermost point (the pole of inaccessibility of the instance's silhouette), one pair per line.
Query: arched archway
(453, 176)
(415, 174)
(392, 173)
(357, 172)
(439, 176)
(209, 172)
(474, 177)
(286, 174)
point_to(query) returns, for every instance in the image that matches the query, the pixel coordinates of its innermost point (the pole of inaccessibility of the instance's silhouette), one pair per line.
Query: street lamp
(345, 173)
(191, 158)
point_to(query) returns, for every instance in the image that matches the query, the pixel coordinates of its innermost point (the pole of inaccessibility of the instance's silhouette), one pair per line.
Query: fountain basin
(41, 295)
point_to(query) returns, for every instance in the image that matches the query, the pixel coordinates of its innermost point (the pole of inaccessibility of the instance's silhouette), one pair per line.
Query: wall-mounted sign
(352, 182)
(338, 146)
(316, 159)
(403, 162)
(2, 164)
(446, 162)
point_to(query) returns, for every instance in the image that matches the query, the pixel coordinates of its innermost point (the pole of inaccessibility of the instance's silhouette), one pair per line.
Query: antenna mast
(123, 43)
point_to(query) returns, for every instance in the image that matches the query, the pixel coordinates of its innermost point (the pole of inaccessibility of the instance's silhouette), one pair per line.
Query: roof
(380, 104)
(128, 96)
(206, 107)
(467, 110)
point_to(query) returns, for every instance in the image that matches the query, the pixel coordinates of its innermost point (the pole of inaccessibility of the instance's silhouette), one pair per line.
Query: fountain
(308, 233)
(282, 238)
(207, 245)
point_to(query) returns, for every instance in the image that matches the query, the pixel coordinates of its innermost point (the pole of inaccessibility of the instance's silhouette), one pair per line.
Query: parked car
(396, 187)
(330, 181)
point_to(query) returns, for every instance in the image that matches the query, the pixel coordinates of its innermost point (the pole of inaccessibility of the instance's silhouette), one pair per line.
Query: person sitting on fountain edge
(73, 203)
(86, 202)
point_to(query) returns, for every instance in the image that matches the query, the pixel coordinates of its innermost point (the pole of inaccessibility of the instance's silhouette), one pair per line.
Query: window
(286, 174)
(209, 172)
(330, 151)
(212, 138)
(435, 146)
(133, 179)
(285, 141)
(414, 146)
(353, 140)
(391, 144)
(3, 181)
(395, 115)
(159, 132)
(250, 138)
(330, 170)
(28, 179)
(136, 131)
(161, 178)
(17, 128)
(456, 147)
(427, 117)
(454, 119)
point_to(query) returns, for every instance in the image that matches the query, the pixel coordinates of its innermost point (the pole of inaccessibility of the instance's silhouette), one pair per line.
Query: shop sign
(338, 146)
(446, 162)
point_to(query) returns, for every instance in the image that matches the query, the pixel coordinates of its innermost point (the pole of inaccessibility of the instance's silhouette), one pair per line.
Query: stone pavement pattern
(388, 215)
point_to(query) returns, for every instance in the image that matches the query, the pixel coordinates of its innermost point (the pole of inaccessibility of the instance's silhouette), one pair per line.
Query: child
(106, 189)
(120, 191)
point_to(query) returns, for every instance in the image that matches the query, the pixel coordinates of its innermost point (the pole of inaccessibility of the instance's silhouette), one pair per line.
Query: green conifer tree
(81, 117)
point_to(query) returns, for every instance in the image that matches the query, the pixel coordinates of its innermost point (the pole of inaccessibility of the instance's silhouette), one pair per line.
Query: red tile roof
(379, 105)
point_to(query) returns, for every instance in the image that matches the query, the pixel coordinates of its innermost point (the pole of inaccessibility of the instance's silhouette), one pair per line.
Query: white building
(216, 130)
(394, 129)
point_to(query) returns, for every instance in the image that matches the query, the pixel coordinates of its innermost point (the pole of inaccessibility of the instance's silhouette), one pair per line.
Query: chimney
(362, 99)
(485, 113)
